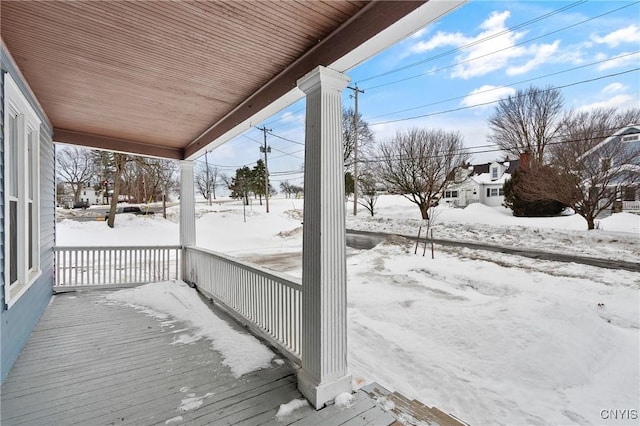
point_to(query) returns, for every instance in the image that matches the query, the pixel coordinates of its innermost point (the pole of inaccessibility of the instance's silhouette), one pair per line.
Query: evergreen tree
(241, 184)
(524, 208)
(258, 181)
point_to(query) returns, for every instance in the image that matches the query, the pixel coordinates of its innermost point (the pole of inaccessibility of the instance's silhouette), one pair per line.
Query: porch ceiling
(168, 78)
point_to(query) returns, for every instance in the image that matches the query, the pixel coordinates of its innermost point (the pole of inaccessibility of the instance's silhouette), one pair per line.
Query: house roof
(625, 131)
(510, 165)
(170, 78)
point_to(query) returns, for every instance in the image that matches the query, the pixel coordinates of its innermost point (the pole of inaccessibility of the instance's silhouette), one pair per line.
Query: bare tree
(365, 136)
(75, 167)
(417, 163)
(585, 173)
(120, 162)
(288, 189)
(527, 121)
(367, 187)
(207, 180)
(162, 175)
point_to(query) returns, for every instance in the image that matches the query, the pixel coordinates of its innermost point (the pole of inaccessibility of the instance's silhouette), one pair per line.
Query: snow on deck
(93, 361)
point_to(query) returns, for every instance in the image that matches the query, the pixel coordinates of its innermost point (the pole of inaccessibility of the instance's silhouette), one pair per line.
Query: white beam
(324, 372)
(187, 205)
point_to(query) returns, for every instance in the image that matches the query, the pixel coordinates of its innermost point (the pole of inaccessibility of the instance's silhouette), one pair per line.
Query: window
(494, 173)
(629, 193)
(451, 194)
(22, 191)
(605, 163)
(492, 192)
(630, 138)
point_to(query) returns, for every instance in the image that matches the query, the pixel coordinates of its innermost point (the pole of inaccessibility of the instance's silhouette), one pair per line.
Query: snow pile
(242, 352)
(291, 406)
(343, 400)
(192, 402)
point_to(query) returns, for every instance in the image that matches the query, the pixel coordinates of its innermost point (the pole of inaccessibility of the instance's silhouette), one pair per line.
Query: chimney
(525, 160)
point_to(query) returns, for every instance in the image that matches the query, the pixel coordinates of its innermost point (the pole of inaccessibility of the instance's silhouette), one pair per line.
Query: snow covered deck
(92, 361)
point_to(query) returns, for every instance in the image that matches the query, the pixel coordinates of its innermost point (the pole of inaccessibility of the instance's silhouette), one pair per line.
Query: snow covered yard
(495, 343)
(491, 338)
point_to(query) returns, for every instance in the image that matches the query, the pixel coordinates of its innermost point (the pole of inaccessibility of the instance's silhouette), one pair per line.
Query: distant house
(620, 152)
(88, 196)
(91, 196)
(481, 183)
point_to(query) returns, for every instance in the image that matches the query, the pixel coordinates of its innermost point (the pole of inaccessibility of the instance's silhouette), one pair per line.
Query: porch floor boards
(93, 362)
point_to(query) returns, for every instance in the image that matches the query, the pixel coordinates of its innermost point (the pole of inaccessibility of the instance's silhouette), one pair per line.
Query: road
(367, 239)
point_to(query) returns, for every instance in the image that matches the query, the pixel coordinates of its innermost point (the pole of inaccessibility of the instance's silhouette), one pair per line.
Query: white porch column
(324, 272)
(187, 209)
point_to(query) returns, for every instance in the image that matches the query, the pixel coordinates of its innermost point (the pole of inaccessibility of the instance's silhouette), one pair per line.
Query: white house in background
(88, 195)
(481, 183)
(91, 196)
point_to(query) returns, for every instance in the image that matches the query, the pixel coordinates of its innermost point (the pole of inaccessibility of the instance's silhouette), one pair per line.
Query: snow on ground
(618, 237)
(129, 230)
(242, 352)
(495, 344)
(489, 337)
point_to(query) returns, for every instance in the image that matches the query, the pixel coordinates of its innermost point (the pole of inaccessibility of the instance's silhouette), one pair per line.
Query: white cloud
(613, 88)
(495, 21)
(439, 40)
(421, 32)
(484, 56)
(621, 61)
(618, 101)
(542, 53)
(630, 34)
(487, 93)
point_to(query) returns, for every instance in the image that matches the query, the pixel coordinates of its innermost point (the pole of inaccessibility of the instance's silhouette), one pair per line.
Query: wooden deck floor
(95, 363)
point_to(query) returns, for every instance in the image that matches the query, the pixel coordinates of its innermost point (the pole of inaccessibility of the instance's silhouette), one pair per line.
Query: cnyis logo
(618, 414)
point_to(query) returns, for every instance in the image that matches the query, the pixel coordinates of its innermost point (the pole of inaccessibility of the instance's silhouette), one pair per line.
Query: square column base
(319, 394)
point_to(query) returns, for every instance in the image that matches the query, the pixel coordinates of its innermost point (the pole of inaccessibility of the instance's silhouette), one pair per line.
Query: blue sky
(479, 53)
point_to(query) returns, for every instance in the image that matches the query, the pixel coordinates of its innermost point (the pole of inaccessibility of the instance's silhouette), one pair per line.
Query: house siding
(1, 193)
(18, 321)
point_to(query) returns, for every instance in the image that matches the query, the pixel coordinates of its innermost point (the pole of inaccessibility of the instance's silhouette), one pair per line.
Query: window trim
(28, 177)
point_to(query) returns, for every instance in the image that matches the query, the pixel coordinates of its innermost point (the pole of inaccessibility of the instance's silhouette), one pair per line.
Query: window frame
(493, 192)
(23, 143)
(494, 173)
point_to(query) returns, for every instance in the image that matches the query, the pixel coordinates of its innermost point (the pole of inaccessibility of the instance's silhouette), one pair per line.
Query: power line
(509, 85)
(502, 99)
(475, 42)
(496, 148)
(496, 51)
(285, 139)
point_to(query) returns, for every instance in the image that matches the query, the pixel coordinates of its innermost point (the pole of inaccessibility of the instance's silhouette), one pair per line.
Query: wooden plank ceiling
(165, 78)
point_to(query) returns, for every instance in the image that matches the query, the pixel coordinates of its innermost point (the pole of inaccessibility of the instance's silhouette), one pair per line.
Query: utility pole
(266, 149)
(356, 91)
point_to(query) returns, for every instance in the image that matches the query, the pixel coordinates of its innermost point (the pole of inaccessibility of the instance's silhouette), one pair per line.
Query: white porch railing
(267, 302)
(115, 266)
(626, 205)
